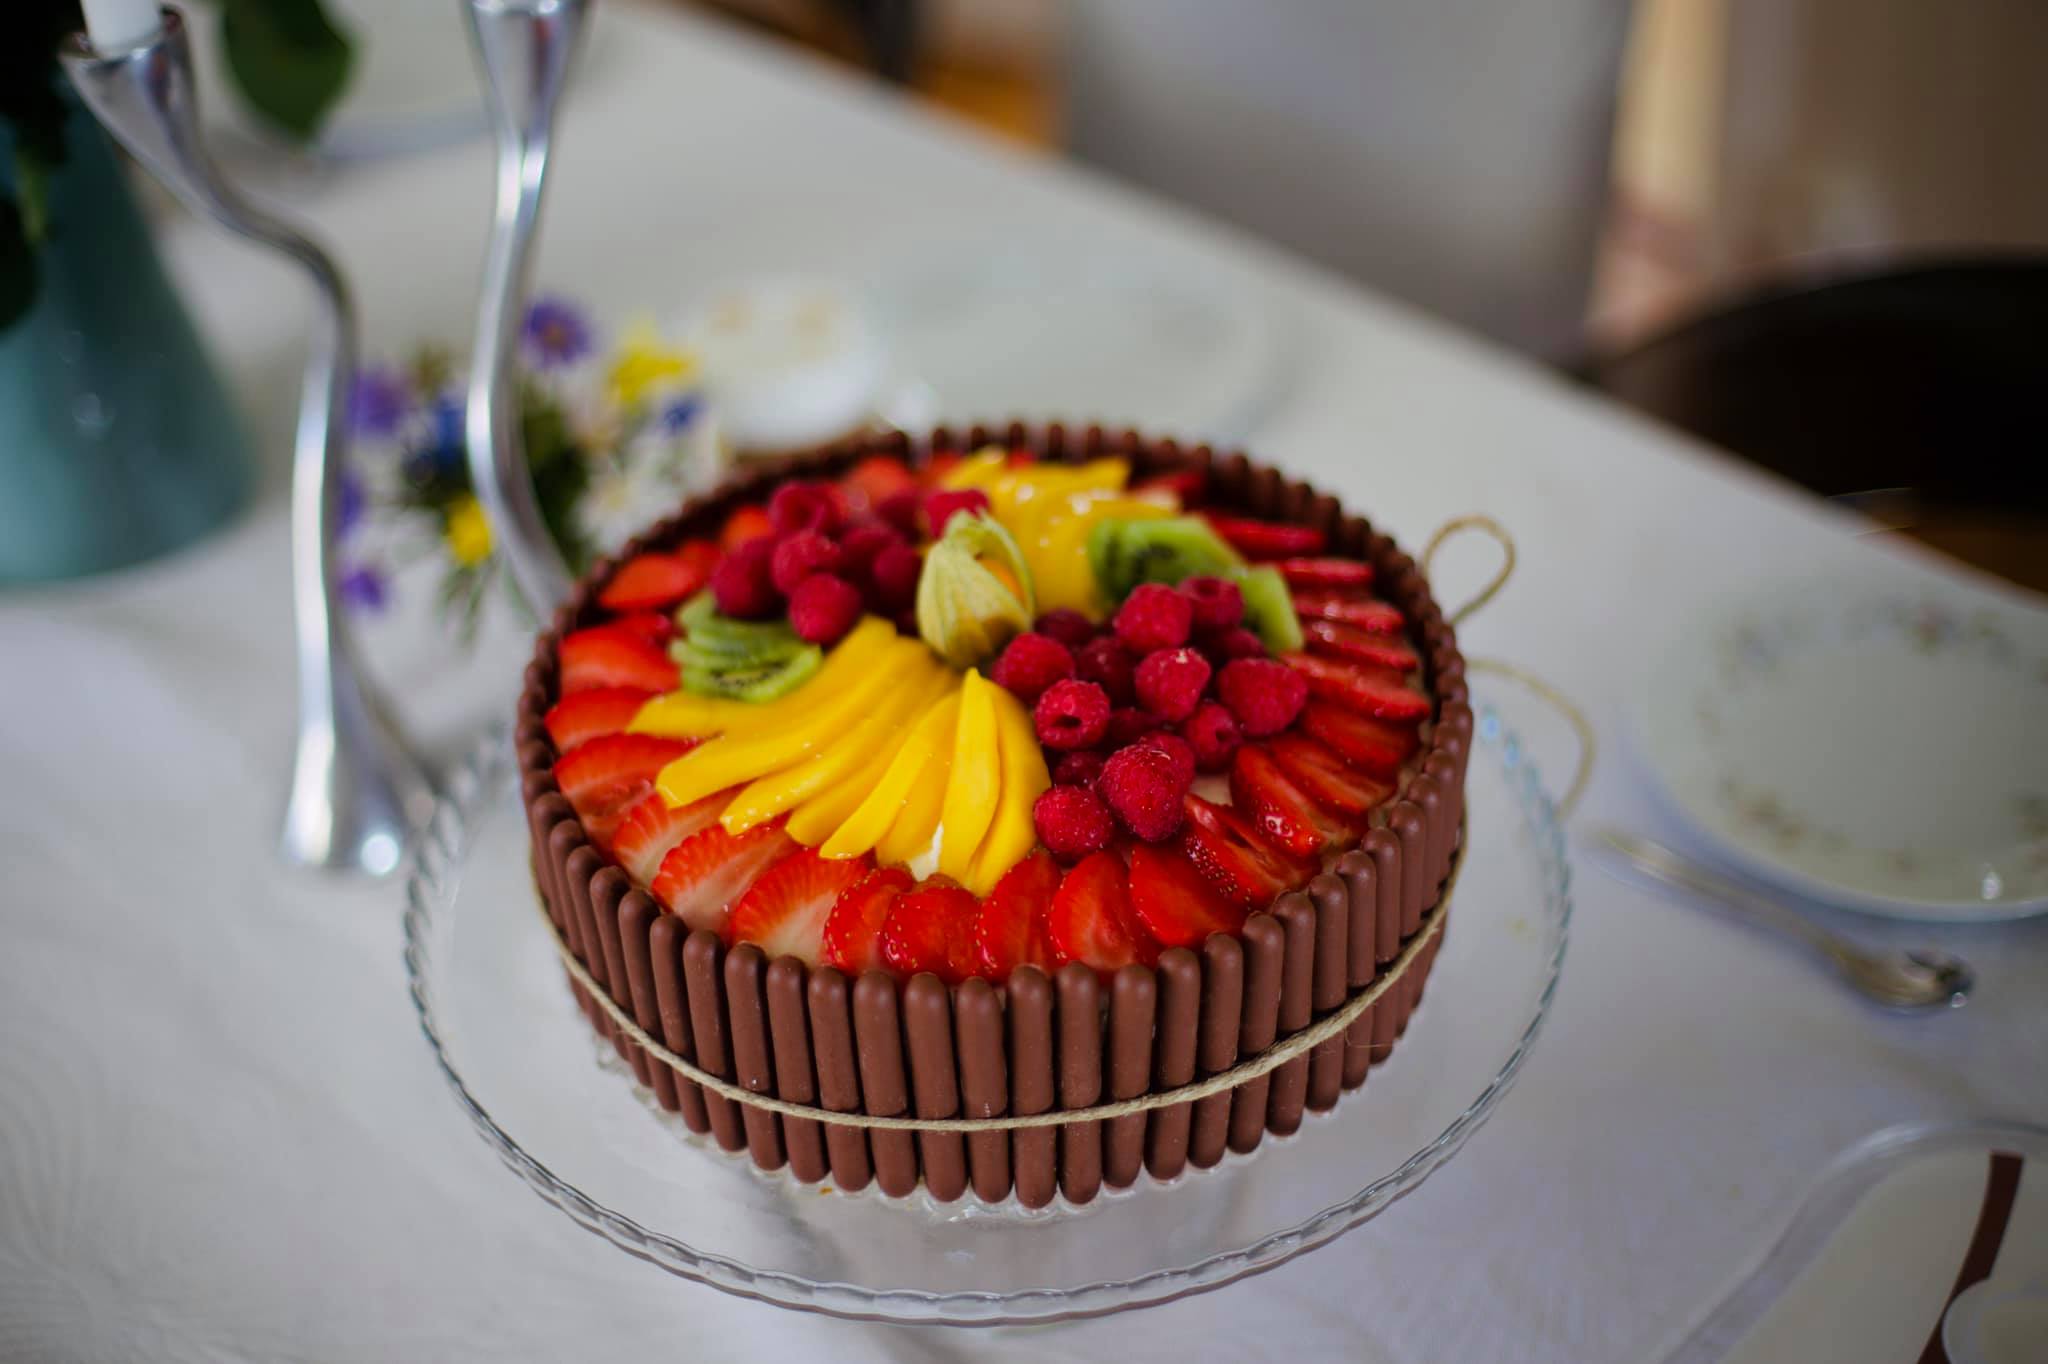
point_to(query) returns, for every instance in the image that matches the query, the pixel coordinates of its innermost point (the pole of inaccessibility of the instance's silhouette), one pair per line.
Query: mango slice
(877, 802)
(1011, 833)
(911, 832)
(860, 751)
(679, 715)
(976, 779)
(742, 756)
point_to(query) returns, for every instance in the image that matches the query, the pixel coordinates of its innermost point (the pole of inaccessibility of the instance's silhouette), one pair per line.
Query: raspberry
(1072, 822)
(1220, 646)
(1264, 695)
(1217, 602)
(1079, 768)
(1102, 661)
(1175, 748)
(1141, 784)
(824, 607)
(1030, 663)
(1213, 734)
(798, 557)
(741, 584)
(1128, 724)
(1071, 715)
(1170, 682)
(802, 506)
(899, 509)
(1154, 616)
(1066, 625)
(940, 507)
(892, 579)
(861, 544)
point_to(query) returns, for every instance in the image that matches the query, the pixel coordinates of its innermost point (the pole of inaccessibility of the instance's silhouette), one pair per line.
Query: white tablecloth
(196, 1162)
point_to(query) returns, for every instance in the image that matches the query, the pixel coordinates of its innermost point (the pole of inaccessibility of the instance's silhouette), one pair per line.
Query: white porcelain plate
(1882, 750)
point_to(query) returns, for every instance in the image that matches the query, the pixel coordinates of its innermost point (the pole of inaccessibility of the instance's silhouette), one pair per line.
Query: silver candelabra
(357, 791)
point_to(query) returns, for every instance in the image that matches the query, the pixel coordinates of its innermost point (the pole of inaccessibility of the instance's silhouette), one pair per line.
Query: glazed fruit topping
(587, 714)
(1373, 746)
(1176, 904)
(614, 656)
(1267, 539)
(1377, 692)
(853, 930)
(1071, 820)
(1325, 573)
(1091, 921)
(653, 826)
(1263, 695)
(1030, 663)
(932, 929)
(1244, 867)
(784, 911)
(703, 876)
(604, 777)
(1010, 927)
(651, 581)
(1338, 640)
(1369, 614)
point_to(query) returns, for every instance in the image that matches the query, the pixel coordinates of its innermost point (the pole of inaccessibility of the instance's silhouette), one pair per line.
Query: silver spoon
(1895, 979)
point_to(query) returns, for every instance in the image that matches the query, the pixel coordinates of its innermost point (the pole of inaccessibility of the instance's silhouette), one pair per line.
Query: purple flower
(556, 333)
(677, 416)
(363, 588)
(354, 500)
(379, 401)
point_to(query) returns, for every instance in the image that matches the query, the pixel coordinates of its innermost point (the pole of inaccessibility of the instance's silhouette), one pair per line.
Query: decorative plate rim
(1656, 709)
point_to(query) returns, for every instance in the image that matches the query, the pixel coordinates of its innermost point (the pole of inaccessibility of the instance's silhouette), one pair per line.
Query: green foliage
(288, 57)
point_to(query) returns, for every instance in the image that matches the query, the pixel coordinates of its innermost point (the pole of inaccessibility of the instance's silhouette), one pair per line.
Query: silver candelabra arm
(357, 792)
(524, 47)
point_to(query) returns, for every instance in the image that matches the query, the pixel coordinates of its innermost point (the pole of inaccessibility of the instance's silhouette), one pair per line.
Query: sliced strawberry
(1344, 791)
(873, 481)
(1009, 929)
(585, 715)
(853, 930)
(1326, 573)
(1091, 921)
(1175, 902)
(1267, 539)
(1369, 614)
(1277, 808)
(1377, 692)
(1339, 640)
(1373, 746)
(706, 874)
(700, 554)
(614, 656)
(653, 826)
(932, 929)
(604, 777)
(653, 626)
(784, 912)
(648, 582)
(1188, 485)
(746, 523)
(1244, 867)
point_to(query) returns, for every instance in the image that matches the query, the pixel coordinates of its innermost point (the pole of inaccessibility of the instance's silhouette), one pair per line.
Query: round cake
(998, 774)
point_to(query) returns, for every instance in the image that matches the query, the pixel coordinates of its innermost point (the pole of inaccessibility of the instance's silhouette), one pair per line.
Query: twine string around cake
(1329, 1027)
(1495, 531)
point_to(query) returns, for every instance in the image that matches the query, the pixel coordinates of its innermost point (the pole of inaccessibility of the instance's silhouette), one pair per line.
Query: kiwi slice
(1269, 607)
(761, 683)
(1123, 553)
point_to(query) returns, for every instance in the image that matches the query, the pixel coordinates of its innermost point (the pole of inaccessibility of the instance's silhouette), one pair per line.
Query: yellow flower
(468, 532)
(644, 363)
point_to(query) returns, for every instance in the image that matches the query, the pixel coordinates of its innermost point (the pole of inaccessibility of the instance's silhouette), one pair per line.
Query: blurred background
(1811, 232)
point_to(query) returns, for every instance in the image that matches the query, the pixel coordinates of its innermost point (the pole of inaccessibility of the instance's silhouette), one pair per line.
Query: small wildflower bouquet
(612, 440)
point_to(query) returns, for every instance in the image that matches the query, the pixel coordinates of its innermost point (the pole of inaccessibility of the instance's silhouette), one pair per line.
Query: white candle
(118, 25)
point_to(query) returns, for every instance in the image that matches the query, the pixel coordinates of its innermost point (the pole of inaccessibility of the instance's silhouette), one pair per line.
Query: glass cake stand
(561, 1110)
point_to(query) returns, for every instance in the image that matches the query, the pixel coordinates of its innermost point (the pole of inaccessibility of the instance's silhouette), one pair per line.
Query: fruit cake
(1000, 772)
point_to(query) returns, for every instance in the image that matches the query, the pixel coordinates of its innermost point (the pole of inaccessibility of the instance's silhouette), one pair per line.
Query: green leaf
(288, 57)
(17, 265)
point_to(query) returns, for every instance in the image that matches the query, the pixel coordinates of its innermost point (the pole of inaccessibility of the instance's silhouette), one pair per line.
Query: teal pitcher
(117, 440)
